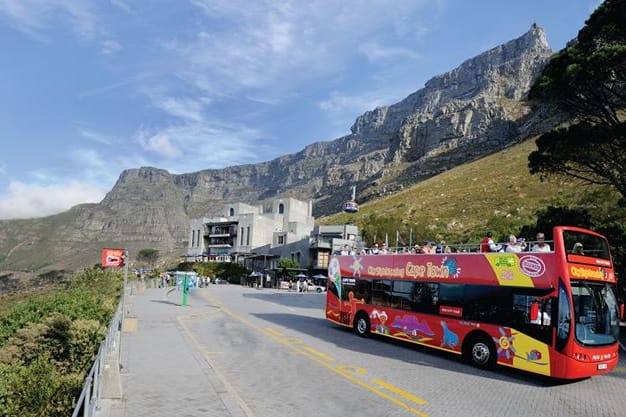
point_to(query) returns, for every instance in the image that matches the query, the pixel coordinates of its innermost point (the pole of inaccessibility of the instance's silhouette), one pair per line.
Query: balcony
(220, 234)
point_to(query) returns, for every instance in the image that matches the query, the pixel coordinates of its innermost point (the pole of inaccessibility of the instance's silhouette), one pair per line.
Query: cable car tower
(351, 206)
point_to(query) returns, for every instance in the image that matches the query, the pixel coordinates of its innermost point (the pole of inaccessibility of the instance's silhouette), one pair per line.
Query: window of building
(198, 239)
(281, 240)
(248, 236)
(231, 212)
(322, 259)
(281, 208)
(241, 239)
(193, 237)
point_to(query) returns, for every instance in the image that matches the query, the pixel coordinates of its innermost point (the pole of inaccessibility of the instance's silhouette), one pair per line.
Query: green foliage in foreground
(48, 343)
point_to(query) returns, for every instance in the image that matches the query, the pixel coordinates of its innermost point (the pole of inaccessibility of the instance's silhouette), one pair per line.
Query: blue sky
(89, 88)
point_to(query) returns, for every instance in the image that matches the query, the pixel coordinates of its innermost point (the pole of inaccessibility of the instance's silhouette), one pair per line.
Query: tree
(286, 263)
(587, 81)
(148, 256)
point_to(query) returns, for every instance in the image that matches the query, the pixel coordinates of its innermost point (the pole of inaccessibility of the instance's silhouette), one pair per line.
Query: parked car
(219, 280)
(315, 287)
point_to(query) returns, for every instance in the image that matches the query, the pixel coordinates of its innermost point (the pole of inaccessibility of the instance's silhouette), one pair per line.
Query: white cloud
(184, 108)
(356, 103)
(159, 143)
(33, 200)
(36, 16)
(95, 136)
(110, 47)
(87, 157)
(201, 146)
(278, 46)
(375, 52)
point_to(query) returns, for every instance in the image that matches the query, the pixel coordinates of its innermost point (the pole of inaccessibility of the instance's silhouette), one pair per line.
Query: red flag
(112, 257)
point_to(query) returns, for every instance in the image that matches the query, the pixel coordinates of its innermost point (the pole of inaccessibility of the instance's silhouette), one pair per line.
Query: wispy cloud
(265, 43)
(32, 200)
(203, 146)
(87, 157)
(159, 143)
(110, 47)
(94, 136)
(188, 109)
(376, 52)
(34, 17)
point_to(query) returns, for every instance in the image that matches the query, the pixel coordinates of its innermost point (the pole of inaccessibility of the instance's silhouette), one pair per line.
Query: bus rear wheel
(361, 324)
(480, 352)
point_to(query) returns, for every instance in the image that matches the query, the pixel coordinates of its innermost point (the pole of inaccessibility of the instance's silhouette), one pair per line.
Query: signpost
(185, 289)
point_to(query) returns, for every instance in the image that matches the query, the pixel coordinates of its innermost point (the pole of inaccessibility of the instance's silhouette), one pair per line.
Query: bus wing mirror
(534, 311)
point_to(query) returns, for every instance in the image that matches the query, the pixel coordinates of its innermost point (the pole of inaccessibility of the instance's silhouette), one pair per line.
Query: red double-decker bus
(553, 313)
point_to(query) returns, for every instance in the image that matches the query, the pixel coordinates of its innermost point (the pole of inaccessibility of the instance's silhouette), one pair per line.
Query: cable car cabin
(350, 207)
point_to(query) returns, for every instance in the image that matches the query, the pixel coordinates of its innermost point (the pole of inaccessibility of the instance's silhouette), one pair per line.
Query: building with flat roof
(243, 228)
(260, 239)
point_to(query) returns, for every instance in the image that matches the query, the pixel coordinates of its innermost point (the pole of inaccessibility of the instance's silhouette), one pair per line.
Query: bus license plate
(602, 366)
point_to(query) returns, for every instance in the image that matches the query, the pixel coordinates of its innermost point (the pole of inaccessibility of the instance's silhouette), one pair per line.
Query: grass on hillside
(493, 193)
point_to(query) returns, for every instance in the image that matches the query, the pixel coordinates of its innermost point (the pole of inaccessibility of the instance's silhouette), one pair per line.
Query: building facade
(243, 228)
(258, 238)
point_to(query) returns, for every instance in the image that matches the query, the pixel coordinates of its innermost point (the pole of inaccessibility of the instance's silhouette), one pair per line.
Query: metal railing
(89, 398)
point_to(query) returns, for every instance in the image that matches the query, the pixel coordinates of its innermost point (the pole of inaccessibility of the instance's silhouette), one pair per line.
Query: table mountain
(471, 111)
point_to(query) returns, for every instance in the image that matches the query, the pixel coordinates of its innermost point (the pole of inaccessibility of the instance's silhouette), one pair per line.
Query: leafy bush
(48, 343)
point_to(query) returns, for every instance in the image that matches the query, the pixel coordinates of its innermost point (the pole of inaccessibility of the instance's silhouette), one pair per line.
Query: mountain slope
(474, 110)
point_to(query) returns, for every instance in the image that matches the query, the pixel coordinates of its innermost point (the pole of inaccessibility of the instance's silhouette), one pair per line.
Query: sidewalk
(163, 372)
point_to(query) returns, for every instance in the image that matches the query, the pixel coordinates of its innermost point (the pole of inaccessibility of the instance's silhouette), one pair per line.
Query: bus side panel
(512, 347)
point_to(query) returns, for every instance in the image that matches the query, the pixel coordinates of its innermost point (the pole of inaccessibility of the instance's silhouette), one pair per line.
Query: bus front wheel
(362, 324)
(480, 352)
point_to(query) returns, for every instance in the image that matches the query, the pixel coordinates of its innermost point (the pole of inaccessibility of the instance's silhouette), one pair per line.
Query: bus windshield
(585, 245)
(595, 313)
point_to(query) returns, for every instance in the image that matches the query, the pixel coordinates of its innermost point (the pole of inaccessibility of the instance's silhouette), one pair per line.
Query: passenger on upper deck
(384, 250)
(513, 246)
(541, 245)
(428, 247)
(578, 249)
(488, 245)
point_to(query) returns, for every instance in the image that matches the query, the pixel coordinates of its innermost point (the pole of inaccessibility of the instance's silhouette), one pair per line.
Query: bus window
(578, 243)
(403, 294)
(564, 318)
(362, 291)
(451, 295)
(595, 313)
(487, 303)
(524, 302)
(381, 292)
(426, 296)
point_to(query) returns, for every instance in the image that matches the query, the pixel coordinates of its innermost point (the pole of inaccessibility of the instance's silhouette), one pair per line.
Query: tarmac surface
(151, 376)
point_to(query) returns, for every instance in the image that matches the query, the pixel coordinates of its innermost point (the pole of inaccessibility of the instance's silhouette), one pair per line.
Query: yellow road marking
(273, 331)
(345, 371)
(400, 392)
(318, 353)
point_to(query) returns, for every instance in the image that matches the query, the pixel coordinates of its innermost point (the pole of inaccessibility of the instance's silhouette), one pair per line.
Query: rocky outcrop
(473, 110)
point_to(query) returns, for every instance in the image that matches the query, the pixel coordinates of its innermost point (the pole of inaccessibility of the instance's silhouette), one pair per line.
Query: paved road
(237, 351)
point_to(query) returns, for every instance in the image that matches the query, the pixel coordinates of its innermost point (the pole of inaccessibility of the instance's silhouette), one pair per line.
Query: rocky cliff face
(471, 111)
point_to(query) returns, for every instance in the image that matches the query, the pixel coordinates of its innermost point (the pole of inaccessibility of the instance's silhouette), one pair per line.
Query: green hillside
(494, 193)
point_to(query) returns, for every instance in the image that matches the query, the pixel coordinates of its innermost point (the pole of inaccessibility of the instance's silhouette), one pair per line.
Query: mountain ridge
(459, 116)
